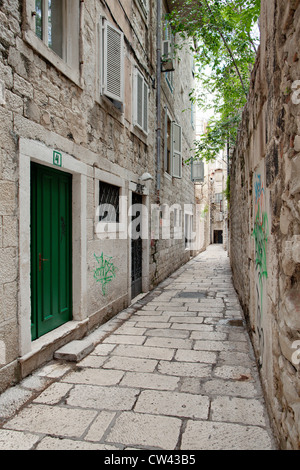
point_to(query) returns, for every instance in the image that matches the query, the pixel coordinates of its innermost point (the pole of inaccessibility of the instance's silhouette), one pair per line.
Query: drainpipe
(158, 101)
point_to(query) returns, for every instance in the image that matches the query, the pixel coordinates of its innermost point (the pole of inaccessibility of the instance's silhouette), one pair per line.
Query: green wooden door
(51, 254)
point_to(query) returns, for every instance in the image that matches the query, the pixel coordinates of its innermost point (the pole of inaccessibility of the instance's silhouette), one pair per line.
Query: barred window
(109, 202)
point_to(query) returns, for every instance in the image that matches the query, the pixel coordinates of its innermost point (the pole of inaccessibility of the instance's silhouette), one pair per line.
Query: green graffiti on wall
(260, 234)
(105, 272)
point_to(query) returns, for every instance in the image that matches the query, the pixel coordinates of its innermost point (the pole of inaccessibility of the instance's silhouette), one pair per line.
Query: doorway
(136, 246)
(218, 237)
(51, 249)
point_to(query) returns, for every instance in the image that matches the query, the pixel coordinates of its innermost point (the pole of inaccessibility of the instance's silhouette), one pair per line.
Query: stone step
(75, 351)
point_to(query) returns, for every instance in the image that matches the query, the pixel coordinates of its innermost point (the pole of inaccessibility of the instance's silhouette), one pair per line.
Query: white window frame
(69, 65)
(189, 235)
(169, 76)
(144, 100)
(103, 69)
(111, 230)
(143, 6)
(177, 222)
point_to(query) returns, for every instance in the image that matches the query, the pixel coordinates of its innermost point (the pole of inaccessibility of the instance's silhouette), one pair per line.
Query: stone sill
(50, 56)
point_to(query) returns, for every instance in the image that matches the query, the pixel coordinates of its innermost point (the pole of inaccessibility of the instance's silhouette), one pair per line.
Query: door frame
(36, 170)
(33, 151)
(139, 282)
(133, 188)
(218, 237)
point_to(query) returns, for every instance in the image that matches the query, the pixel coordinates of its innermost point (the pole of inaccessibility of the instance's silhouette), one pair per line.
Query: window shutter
(176, 151)
(144, 5)
(141, 102)
(198, 171)
(113, 62)
(139, 91)
(166, 140)
(146, 92)
(167, 49)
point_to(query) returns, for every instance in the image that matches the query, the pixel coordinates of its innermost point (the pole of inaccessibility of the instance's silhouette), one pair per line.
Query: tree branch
(228, 48)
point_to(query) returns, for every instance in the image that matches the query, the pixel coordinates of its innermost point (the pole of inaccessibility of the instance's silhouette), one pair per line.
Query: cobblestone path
(175, 371)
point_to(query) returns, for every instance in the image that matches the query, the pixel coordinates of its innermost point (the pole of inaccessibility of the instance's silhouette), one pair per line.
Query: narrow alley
(174, 371)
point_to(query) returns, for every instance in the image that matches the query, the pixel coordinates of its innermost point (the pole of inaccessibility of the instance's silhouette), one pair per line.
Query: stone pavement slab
(209, 435)
(174, 371)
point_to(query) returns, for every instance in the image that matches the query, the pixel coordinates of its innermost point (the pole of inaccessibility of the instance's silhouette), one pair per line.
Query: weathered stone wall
(265, 214)
(46, 106)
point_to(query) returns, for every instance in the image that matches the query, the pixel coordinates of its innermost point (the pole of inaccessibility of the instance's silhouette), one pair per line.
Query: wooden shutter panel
(145, 110)
(113, 62)
(141, 102)
(176, 150)
(166, 140)
(198, 171)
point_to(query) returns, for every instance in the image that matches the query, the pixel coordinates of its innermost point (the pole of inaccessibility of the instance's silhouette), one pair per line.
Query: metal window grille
(109, 200)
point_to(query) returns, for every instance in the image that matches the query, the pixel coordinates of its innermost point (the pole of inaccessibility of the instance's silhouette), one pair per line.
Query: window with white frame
(178, 223)
(172, 147)
(170, 80)
(143, 5)
(111, 61)
(188, 231)
(54, 31)
(140, 105)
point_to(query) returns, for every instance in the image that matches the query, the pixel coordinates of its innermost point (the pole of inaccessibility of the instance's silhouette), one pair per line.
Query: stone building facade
(217, 180)
(210, 180)
(89, 126)
(265, 214)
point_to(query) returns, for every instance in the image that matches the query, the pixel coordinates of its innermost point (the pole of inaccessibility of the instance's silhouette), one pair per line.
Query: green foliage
(227, 190)
(224, 49)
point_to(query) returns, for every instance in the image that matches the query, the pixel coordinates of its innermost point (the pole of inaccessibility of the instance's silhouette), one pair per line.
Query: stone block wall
(47, 106)
(265, 215)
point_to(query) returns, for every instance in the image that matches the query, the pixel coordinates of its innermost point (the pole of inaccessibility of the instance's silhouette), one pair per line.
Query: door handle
(40, 261)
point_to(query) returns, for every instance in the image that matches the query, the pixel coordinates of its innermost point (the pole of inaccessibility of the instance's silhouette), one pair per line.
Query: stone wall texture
(265, 214)
(46, 106)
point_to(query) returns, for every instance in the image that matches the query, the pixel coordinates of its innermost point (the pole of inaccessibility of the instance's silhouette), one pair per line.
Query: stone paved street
(173, 371)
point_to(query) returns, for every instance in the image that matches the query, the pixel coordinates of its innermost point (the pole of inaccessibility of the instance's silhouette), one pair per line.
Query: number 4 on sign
(57, 158)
